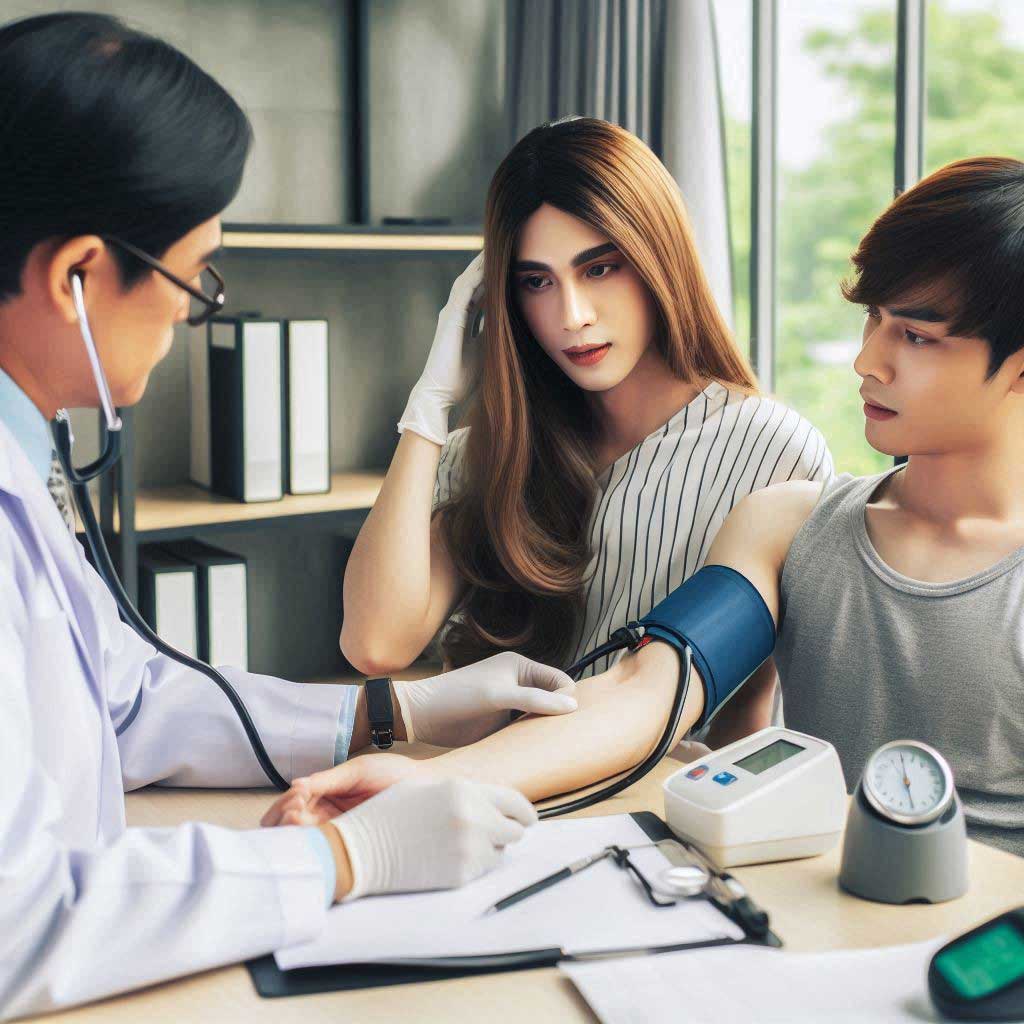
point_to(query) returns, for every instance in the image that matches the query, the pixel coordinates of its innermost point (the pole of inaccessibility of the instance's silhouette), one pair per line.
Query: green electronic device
(980, 975)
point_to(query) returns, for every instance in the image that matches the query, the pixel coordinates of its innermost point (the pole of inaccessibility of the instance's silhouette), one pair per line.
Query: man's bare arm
(623, 712)
(750, 710)
(622, 715)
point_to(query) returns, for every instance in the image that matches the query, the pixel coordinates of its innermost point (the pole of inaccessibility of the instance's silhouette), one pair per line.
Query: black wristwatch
(380, 712)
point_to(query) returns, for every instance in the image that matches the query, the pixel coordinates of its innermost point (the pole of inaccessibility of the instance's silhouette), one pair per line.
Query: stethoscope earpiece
(113, 421)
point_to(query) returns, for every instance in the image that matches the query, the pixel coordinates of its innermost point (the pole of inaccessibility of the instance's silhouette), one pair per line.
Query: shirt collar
(27, 424)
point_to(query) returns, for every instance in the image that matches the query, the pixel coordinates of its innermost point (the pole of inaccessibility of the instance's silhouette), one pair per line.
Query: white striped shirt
(661, 504)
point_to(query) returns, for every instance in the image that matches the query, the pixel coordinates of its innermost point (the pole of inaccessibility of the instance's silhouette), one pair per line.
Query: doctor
(111, 137)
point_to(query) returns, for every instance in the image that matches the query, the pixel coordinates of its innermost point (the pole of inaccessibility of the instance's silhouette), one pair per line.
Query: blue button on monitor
(725, 778)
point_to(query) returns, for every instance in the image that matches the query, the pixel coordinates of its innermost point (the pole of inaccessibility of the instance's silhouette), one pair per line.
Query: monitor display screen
(768, 757)
(984, 963)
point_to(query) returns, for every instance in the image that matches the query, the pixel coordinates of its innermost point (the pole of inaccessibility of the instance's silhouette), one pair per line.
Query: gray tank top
(867, 655)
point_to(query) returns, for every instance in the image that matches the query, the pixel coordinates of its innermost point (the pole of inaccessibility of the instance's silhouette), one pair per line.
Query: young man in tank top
(900, 597)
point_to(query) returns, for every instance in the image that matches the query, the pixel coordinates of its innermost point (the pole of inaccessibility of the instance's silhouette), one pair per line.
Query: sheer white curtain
(648, 65)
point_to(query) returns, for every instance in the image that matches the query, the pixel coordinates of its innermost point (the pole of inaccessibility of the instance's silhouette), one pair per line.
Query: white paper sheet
(602, 908)
(743, 984)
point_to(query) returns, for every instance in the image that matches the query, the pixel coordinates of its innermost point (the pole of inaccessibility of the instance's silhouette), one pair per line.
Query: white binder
(222, 602)
(307, 366)
(167, 598)
(246, 414)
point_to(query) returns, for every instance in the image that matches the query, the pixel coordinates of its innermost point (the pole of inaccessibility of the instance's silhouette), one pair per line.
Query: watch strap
(380, 712)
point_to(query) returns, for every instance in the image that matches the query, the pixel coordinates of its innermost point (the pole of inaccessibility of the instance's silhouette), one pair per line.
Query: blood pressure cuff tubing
(719, 613)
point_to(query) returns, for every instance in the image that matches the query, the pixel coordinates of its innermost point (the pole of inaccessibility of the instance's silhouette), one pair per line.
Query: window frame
(908, 157)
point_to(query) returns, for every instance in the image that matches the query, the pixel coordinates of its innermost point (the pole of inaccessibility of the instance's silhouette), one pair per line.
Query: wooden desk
(807, 908)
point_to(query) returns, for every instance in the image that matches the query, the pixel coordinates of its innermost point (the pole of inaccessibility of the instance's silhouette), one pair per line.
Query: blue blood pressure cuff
(719, 613)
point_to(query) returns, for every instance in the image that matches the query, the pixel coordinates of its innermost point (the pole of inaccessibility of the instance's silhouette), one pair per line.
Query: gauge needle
(906, 782)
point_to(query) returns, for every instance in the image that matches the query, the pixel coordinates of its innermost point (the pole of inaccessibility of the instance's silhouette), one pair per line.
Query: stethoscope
(78, 480)
(630, 636)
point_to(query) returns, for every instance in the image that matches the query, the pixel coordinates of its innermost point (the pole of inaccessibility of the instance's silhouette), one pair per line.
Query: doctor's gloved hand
(430, 835)
(465, 705)
(443, 381)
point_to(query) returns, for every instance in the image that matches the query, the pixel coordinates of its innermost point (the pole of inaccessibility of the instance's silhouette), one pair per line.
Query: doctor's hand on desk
(449, 710)
(426, 834)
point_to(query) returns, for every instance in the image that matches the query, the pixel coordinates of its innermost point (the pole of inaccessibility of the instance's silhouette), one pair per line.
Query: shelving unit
(353, 237)
(341, 141)
(170, 513)
(131, 516)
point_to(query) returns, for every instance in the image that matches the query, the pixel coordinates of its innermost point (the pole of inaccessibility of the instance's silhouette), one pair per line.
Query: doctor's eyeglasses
(204, 303)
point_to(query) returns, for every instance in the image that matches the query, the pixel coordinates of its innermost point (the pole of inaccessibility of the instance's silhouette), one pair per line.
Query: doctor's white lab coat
(88, 907)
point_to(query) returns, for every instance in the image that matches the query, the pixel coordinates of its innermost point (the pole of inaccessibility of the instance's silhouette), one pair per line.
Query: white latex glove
(443, 382)
(469, 703)
(430, 835)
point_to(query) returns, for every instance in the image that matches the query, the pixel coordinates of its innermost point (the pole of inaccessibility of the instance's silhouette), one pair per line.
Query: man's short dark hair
(106, 130)
(954, 243)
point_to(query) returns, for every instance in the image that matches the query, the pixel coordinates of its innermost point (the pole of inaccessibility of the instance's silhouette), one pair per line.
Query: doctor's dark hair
(953, 243)
(518, 531)
(105, 130)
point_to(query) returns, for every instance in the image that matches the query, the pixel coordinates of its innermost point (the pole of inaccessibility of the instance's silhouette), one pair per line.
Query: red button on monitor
(697, 773)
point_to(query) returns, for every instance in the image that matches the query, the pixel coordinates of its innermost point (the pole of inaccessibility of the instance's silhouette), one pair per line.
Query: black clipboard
(271, 982)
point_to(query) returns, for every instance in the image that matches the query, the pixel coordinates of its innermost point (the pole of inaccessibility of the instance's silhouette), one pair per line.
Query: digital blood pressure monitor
(775, 795)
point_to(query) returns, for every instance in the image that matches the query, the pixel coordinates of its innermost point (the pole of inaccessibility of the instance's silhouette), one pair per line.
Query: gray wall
(285, 61)
(435, 117)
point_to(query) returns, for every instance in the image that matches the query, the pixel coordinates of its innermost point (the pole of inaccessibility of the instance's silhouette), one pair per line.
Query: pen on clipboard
(545, 883)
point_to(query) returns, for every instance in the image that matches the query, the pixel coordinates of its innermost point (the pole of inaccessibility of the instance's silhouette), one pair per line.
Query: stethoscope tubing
(105, 568)
(79, 479)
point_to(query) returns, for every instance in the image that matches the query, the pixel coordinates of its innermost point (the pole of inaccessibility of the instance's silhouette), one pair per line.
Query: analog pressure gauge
(908, 782)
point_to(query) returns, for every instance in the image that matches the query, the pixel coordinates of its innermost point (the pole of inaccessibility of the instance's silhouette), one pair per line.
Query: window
(835, 162)
(733, 32)
(835, 153)
(974, 55)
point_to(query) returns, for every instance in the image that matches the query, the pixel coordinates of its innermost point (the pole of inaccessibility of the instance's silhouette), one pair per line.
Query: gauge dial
(908, 782)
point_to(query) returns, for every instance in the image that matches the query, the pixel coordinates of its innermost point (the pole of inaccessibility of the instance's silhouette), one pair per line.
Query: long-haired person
(614, 426)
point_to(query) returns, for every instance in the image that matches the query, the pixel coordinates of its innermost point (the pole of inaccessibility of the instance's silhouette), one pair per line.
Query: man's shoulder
(789, 499)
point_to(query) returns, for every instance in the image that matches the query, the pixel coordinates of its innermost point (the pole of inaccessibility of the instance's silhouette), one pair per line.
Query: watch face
(908, 782)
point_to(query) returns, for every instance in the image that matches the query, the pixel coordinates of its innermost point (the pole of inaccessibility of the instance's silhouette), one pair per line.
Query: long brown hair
(517, 530)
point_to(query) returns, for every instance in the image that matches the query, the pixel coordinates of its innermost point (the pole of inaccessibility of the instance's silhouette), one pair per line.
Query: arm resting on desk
(622, 713)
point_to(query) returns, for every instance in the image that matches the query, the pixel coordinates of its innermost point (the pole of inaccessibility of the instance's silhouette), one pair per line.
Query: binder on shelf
(246, 401)
(167, 597)
(199, 407)
(307, 454)
(221, 602)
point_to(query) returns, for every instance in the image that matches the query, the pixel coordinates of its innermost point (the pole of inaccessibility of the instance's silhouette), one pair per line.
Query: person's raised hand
(443, 381)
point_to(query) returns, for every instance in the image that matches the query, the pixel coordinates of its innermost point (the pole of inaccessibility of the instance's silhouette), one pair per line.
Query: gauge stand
(892, 863)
